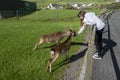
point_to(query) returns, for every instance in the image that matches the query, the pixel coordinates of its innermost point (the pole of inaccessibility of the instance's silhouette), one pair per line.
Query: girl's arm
(82, 28)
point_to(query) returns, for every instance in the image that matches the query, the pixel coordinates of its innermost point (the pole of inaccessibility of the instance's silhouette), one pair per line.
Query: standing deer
(59, 49)
(54, 37)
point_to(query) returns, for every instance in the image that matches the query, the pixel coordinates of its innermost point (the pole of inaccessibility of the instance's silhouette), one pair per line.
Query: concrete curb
(82, 74)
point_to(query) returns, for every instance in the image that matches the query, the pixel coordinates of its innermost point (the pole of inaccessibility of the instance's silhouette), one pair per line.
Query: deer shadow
(73, 58)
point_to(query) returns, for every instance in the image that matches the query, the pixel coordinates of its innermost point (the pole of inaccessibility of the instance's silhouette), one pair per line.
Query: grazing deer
(54, 37)
(59, 49)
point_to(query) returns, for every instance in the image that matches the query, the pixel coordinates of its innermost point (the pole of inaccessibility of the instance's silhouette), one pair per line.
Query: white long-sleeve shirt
(91, 19)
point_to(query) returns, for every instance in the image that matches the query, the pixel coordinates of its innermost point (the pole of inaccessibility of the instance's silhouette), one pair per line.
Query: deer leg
(52, 60)
(36, 46)
(51, 55)
(57, 42)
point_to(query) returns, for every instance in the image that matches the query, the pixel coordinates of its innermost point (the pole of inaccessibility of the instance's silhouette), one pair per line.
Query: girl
(91, 19)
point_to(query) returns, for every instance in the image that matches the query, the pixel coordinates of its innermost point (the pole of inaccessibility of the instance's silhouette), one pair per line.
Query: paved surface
(109, 67)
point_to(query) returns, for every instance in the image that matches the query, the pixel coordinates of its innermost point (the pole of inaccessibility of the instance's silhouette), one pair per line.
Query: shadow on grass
(79, 43)
(72, 44)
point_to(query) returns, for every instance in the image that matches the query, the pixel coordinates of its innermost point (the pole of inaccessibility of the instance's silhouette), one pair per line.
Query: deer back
(51, 37)
(57, 36)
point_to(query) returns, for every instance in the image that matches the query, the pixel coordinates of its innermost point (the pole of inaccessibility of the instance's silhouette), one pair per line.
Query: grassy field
(18, 37)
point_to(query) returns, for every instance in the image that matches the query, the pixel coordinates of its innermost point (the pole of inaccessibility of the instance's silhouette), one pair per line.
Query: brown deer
(53, 37)
(59, 49)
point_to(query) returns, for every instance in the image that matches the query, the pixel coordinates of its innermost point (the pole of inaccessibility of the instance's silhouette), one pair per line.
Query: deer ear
(65, 27)
(65, 30)
(71, 28)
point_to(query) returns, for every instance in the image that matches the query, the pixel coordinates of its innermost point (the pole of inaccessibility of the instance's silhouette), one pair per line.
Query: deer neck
(69, 38)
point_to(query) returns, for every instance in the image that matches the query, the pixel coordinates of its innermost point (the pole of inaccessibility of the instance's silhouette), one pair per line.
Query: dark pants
(98, 40)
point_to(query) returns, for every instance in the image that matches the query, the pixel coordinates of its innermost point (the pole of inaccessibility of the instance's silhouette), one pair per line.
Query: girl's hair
(81, 13)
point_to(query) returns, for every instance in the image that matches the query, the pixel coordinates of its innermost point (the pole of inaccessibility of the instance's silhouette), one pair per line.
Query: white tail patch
(52, 53)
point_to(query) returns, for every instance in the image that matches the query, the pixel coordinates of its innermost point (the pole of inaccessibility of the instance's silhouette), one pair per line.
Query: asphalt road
(108, 68)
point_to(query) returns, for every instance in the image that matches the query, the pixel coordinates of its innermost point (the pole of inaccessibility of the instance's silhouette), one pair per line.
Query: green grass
(17, 60)
(18, 37)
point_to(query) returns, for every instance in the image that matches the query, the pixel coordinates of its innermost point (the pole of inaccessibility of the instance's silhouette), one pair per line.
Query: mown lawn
(18, 37)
